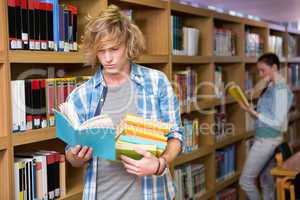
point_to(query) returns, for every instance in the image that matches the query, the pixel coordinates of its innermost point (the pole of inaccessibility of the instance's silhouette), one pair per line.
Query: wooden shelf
(276, 27)
(250, 60)
(229, 140)
(190, 10)
(201, 104)
(2, 58)
(294, 116)
(226, 17)
(293, 60)
(15, 56)
(149, 3)
(191, 59)
(33, 136)
(4, 140)
(73, 192)
(220, 185)
(283, 59)
(227, 59)
(206, 195)
(144, 59)
(196, 154)
(260, 24)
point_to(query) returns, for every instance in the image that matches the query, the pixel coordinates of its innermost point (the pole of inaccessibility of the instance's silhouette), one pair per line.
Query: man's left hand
(143, 167)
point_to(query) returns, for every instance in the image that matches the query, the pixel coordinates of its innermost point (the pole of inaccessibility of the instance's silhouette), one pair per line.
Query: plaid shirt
(155, 100)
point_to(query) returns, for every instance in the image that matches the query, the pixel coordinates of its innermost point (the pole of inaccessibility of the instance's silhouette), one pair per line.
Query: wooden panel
(229, 140)
(2, 57)
(44, 57)
(250, 22)
(226, 17)
(191, 59)
(250, 59)
(5, 105)
(148, 3)
(223, 184)
(196, 154)
(293, 31)
(153, 59)
(4, 141)
(6, 176)
(227, 59)
(190, 10)
(276, 27)
(33, 136)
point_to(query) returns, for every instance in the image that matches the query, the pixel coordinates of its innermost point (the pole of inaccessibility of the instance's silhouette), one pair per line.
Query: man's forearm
(172, 150)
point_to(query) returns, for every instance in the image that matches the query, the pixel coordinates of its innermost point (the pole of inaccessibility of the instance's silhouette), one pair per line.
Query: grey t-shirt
(113, 181)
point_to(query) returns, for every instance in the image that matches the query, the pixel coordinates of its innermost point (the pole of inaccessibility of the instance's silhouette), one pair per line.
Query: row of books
(230, 193)
(39, 175)
(292, 46)
(185, 40)
(222, 129)
(42, 25)
(190, 181)
(191, 135)
(185, 85)
(254, 46)
(33, 100)
(276, 45)
(293, 74)
(224, 42)
(225, 162)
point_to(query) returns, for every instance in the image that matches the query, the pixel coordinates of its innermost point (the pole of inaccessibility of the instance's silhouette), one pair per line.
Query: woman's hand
(148, 165)
(78, 155)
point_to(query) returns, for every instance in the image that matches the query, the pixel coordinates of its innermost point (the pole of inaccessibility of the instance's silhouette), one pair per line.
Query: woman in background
(271, 121)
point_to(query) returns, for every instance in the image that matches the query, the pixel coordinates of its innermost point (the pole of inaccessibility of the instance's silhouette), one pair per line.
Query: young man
(119, 87)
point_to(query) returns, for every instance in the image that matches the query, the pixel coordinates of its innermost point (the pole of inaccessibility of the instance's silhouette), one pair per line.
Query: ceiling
(275, 10)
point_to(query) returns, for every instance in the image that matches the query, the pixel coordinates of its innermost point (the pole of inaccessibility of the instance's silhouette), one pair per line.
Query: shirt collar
(135, 75)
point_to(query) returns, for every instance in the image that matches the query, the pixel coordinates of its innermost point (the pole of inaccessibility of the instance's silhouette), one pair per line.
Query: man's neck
(117, 79)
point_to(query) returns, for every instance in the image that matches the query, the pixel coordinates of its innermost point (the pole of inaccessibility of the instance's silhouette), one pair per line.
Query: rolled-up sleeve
(170, 109)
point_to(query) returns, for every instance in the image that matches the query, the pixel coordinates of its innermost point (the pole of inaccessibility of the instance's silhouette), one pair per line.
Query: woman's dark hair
(269, 59)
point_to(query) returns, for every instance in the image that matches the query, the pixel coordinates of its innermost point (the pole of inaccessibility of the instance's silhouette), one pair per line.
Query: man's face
(113, 59)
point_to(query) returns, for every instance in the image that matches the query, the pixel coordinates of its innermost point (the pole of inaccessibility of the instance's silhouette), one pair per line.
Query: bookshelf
(154, 19)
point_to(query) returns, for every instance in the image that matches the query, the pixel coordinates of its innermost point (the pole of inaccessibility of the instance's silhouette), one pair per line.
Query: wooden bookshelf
(4, 142)
(295, 88)
(33, 136)
(16, 56)
(196, 154)
(229, 140)
(206, 195)
(191, 59)
(74, 192)
(144, 59)
(189, 10)
(148, 3)
(220, 185)
(251, 60)
(227, 59)
(2, 57)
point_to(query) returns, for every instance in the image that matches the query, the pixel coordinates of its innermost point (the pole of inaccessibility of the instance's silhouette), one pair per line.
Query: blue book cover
(102, 140)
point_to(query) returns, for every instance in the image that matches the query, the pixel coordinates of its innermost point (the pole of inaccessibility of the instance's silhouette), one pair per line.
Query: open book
(236, 92)
(109, 142)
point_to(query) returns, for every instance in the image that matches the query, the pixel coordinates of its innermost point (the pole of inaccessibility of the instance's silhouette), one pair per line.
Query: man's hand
(146, 166)
(78, 155)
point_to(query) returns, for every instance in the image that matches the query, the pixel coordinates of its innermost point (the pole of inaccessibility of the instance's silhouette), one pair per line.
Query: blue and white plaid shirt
(155, 100)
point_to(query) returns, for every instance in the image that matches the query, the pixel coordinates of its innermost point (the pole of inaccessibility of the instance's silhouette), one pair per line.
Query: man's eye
(115, 49)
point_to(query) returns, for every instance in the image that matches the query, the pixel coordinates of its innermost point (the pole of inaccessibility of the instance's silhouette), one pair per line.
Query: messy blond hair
(112, 28)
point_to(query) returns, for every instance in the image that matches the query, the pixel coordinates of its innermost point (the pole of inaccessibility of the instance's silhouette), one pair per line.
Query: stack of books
(109, 142)
(137, 132)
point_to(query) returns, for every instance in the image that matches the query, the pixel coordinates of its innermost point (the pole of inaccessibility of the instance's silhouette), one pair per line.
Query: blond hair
(112, 28)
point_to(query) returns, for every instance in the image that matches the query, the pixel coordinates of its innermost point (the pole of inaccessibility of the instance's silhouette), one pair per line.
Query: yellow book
(162, 127)
(142, 132)
(236, 92)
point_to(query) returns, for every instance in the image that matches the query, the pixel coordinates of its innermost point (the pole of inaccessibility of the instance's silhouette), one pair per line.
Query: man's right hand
(78, 155)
